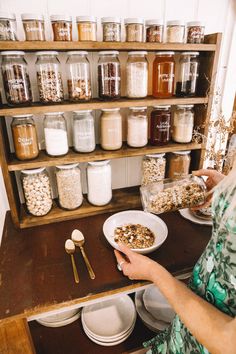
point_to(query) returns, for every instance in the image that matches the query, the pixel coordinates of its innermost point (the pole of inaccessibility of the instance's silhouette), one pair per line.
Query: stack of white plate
(109, 322)
(60, 319)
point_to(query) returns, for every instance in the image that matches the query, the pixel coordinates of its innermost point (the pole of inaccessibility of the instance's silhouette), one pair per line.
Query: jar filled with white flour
(137, 75)
(55, 133)
(137, 127)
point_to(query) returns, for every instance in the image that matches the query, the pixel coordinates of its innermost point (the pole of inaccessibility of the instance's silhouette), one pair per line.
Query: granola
(134, 235)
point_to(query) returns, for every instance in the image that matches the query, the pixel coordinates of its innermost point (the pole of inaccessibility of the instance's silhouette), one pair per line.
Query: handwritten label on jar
(15, 84)
(25, 141)
(166, 77)
(163, 126)
(33, 29)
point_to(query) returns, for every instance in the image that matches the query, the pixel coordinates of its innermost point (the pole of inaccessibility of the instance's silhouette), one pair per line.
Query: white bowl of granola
(141, 231)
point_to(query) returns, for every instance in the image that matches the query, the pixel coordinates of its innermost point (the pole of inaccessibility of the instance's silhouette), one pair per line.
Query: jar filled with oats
(134, 28)
(34, 27)
(153, 168)
(179, 163)
(111, 27)
(62, 27)
(87, 28)
(137, 75)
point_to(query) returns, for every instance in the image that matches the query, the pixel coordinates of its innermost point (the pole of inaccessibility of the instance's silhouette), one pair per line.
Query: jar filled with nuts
(195, 32)
(134, 28)
(55, 133)
(7, 26)
(111, 29)
(87, 28)
(154, 31)
(153, 168)
(179, 163)
(62, 27)
(109, 75)
(137, 75)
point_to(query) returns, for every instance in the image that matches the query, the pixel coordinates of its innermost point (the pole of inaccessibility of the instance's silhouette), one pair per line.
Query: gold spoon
(78, 239)
(70, 249)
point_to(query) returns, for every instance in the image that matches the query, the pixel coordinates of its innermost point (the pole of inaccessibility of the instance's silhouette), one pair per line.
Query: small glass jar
(111, 129)
(187, 76)
(137, 127)
(153, 168)
(195, 32)
(134, 28)
(137, 75)
(16, 78)
(109, 76)
(49, 77)
(87, 28)
(69, 186)
(83, 131)
(175, 32)
(183, 122)
(37, 191)
(7, 26)
(62, 27)
(160, 125)
(99, 182)
(179, 163)
(111, 27)
(163, 75)
(34, 27)
(154, 31)
(55, 133)
(24, 137)
(78, 76)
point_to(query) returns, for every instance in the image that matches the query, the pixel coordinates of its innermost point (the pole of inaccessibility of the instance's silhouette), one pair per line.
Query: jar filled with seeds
(187, 76)
(137, 127)
(111, 129)
(153, 168)
(49, 77)
(195, 32)
(62, 27)
(87, 28)
(134, 28)
(34, 27)
(179, 163)
(109, 75)
(111, 27)
(7, 26)
(83, 131)
(154, 31)
(99, 182)
(55, 133)
(137, 75)
(183, 123)
(37, 191)
(175, 32)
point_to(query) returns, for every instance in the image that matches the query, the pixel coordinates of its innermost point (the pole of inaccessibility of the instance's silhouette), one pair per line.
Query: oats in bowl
(134, 235)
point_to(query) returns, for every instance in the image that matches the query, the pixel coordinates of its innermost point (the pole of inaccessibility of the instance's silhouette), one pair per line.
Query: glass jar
(170, 195)
(137, 75)
(34, 27)
(137, 130)
(183, 122)
(111, 27)
(195, 32)
(24, 137)
(78, 76)
(153, 168)
(134, 28)
(179, 163)
(55, 134)
(69, 186)
(7, 26)
(16, 78)
(163, 75)
(49, 77)
(175, 32)
(37, 191)
(61, 27)
(187, 76)
(154, 31)
(99, 182)
(160, 125)
(109, 75)
(111, 129)
(83, 131)
(87, 28)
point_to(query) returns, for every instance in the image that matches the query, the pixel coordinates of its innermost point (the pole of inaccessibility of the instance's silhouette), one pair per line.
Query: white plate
(153, 222)
(109, 344)
(58, 317)
(186, 214)
(100, 339)
(60, 323)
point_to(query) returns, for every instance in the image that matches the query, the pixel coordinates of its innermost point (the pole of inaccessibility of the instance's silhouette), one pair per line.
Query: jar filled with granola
(83, 131)
(153, 168)
(7, 26)
(34, 27)
(163, 75)
(99, 182)
(109, 75)
(55, 133)
(137, 75)
(87, 28)
(175, 32)
(179, 163)
(183, 122)
(154, 31)
(137, 127)
(195, 32)
(111, 27)
(134, 28)
(62, 27)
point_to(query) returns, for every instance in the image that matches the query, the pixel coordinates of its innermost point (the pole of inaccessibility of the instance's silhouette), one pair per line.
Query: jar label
(25, 141)
(63, 32)
(87, 29)
(110, 78)
(33, 29)
(163, 126)
(16, 84)
(167, 77)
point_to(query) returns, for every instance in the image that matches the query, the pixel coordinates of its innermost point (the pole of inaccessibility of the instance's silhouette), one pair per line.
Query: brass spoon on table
(78, 239)
(70, 249)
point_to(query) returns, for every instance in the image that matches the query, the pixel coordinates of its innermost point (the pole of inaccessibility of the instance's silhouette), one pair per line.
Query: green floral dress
(213, 278)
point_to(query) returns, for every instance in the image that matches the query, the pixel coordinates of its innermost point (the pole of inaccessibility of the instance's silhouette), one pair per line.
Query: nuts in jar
(179, 163)
(7, 26)
(153, 168)
(62, 27)
(154, 31)
(34, 27)
(111, 29)
(195, 32)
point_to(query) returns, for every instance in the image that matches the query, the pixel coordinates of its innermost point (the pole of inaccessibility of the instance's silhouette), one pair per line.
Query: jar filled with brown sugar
(34, 27)
(134, 28)
(179, 163)
(154, 31)
(62, 27)
(87, 28)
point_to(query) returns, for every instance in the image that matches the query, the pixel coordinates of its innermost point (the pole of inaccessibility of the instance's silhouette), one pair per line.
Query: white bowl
(110, 344)
(153, 222)
(59, 317)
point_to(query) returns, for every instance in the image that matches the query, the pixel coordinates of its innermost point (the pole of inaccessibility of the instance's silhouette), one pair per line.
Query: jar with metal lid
(175, 32)
(7, 26)
(137, 127)
(55, 133)
(111, 129)
(179, 163)
(134, 28)
(154, 31)
(78, 76)
(16, 78)
(137, 74)
(49, 77)
(160, 125)
(109, 75)
(24, 137)
(34, 27)
(69, 186)
(99, 182)
(87, 28)
(153, 168)
(195, 32)
(163, 75)
(83, 131)
(37, 191)
(183, 122)
(188, 70)
(111, 27)
(62, 27)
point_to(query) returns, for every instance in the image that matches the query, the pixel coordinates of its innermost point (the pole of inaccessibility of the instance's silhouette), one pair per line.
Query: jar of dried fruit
(195, 32)
(154, 31)
(62, 27)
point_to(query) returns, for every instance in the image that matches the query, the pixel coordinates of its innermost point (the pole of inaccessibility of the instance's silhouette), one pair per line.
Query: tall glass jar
(111, 129)
(55, 134)
(109, 75)
(83, 131)
(62, 27)
(99, 182)
(160, 125)
(134, 28)
(195, 32)
(87, 28)
(163, 75)
(34, 27)
(7, 26)
(16, 78)
(78, 76)
(137, 130)
(175, 31)
(111, 27)
(179, 163)
(154, 31)
(153, 168)
(137, 75)
(188, 70)
(49, 77)
(183, 122)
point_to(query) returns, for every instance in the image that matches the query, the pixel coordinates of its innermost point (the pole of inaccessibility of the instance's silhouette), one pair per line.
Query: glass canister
(78, 76)
(49, 77)
(179, 163)
(111, 129)
(87, 28)
(188, 71)
(69, 186)
(61, 27)
(111, 27)
(153, 168)
(55, 133)
(83, 131)
(163, 75)
(7, 26)
(37, 191)
(195, 32)
(34, 27)
(154, 31)
(137, 127)
(175, 32)
(160, 125)
(183, 122)
(109, 75)
(99, 182)
(134, 28)
(24, 137)
(137, 75)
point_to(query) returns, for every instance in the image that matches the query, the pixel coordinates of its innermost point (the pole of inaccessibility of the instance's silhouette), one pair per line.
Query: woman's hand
(214, 177)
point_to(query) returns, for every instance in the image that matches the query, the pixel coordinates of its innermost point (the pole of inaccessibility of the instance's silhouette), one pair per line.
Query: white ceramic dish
(186, 214)
(153, 222)
(60, 323)
(58, 317)
(109, 344)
